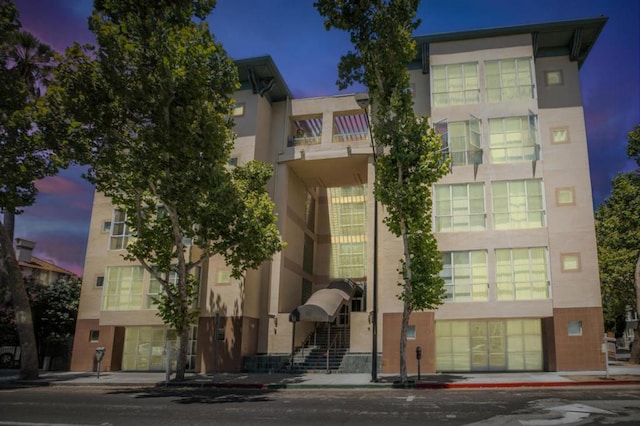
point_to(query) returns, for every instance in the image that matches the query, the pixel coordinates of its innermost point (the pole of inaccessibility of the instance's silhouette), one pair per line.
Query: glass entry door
(488, 346)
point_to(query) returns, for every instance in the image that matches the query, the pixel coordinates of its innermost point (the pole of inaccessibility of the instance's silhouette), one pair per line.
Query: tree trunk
(403, 342)
(181, 362)
(24, 322)
(635, 347)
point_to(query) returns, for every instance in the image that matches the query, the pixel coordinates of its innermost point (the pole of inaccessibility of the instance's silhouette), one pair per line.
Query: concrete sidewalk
(619, 374)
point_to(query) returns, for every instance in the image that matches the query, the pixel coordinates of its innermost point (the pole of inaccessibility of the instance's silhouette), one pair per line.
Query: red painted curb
(522, 384)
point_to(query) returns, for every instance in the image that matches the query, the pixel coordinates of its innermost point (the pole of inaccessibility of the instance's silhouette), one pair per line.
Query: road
(141, 407)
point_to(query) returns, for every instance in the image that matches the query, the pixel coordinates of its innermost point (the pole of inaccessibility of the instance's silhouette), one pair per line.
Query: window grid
(509, 80)
(518, 204)
(456, 84)
(460, 207)
(119, 230)
(463, 139)
(513, 139)
(522, 274)
(123, 288)
(465, 276)
(155, 288)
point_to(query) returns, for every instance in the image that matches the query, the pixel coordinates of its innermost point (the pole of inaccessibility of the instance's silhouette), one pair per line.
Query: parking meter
(99, 355)
(419, 357)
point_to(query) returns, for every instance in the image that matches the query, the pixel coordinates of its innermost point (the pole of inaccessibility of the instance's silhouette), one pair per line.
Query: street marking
(410, 398)
(573, 413)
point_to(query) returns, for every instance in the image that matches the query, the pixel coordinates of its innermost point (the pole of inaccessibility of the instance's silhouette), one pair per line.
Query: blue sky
(292, 32)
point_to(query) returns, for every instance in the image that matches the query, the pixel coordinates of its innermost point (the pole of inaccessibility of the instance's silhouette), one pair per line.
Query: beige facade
(513, 219)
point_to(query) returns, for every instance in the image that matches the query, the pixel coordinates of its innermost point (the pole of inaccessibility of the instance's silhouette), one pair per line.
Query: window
(574, 328)
(347, 221)
(223, 277)
(310, 211)
(123, 288)
(106, 226)
(521, 274)
(518, 204)
(460, 207)
(306, 290)
(560, 135)
(455, 84)
(411, 332)
(509, 80)
(94, 336)
(463, 140)
(465, 276)
(307, 254)
(233, 162)
(238, 110)
(553, 78)
(99, 281)
(513, 139)
(570, 262)
(155, 289)
(119, 230)
(566, 196)
(220, 332)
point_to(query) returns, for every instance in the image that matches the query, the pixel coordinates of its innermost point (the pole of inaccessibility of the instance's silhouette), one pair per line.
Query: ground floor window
(145, 348)
(489, 345)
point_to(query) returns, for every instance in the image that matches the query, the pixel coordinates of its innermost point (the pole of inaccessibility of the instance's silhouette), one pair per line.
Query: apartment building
(513, 220)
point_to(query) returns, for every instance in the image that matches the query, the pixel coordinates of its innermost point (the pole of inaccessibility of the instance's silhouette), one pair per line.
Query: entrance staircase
(321, 352)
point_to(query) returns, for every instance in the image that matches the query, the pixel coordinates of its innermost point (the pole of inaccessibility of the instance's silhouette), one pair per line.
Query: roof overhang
(324, 305)
(261, 75)
(565, 38)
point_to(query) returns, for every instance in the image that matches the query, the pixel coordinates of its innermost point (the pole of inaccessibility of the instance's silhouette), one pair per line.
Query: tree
(153, 104)
(410, 158)
(54, 308)
(24, 157)
(618, 239)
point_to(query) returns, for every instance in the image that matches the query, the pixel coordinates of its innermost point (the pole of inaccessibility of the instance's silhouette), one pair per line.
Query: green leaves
(618, 238)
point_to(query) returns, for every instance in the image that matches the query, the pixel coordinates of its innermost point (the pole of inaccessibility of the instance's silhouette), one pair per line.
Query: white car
(9, 356)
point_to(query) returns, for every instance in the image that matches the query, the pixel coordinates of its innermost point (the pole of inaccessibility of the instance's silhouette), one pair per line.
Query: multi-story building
(513, 220)
(40, 270)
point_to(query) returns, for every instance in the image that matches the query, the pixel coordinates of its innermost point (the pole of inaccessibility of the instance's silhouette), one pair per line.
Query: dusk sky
(292, 32)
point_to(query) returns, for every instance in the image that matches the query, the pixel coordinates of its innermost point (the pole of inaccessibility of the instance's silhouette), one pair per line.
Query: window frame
(565, 189)
(119, 241)
(465, 82)
(553, 131)
(453, 290)
(452, 216)
(502, 76)
(550, 73)
(527, 146)
(512, 202)
(566, 257)
(515, 283)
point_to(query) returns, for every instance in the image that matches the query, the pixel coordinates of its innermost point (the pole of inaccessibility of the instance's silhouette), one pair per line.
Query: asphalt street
(95, 406)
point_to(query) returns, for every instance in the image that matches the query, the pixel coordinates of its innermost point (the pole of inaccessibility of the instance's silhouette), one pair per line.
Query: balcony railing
(463, 158)
(304, 140)
(515, 153)
(350, 137)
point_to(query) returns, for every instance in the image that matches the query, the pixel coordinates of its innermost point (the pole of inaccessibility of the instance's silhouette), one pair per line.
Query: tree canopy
(25, 155)
(409, 153)
(152, 104)
(618, 238)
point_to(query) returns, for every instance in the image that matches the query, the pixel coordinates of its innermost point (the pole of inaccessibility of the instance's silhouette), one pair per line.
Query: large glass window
(465, 276)
(119, 230)
(509, 79)
(518, 204)
(347, 217)
(155, 288)
(521, 274)
(455, 84)
(460, 207)
(123, 288)
(513, 139)
(463, 140)
(498, 345)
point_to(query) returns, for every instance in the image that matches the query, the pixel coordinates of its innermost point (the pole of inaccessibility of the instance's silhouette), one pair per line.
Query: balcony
(350, 127)
(306, 131)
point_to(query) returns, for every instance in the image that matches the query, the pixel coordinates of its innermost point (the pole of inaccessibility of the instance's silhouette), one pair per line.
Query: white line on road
(4, 423)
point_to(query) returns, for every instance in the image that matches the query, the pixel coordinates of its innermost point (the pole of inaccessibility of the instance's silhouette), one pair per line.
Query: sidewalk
(619, 374)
